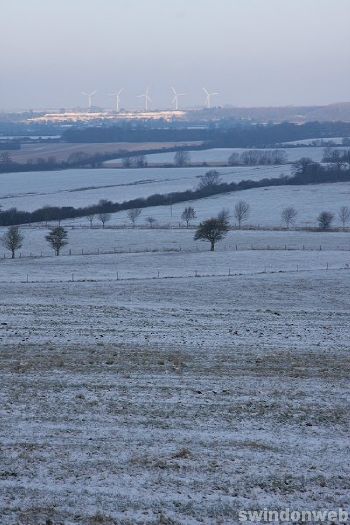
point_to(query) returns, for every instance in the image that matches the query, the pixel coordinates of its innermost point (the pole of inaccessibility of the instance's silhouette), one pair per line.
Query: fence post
(327, 267)
(229, 271)
(117, 276)
(72, 277)
(158, 274)
(27, 278)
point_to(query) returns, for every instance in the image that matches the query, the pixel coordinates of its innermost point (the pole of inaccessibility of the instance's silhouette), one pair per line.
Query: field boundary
(193, 275)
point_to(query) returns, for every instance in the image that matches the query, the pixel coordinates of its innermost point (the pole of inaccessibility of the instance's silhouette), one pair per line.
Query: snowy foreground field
(174, 402)
(180, 400)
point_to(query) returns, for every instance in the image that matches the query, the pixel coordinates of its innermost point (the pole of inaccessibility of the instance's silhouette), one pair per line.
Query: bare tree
(126, 162)
(57, 238)
(91, 218)
(140, 161)
(133, 215)
(234, 159)
(209, 180)
(325, 220)
(104, 217)
(182, 158)
(12, 240)
(289, 216)
(188, 215)
(344, 215)
(212, 230)
(5, 158)
(241, 212)
(151, 221)
(224, 215)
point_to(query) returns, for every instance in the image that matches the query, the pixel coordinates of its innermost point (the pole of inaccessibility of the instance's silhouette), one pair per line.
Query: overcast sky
(255, 52)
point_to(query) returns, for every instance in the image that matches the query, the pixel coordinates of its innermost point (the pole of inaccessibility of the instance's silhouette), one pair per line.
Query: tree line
(223, 134)
(339, 157)
(258, 158)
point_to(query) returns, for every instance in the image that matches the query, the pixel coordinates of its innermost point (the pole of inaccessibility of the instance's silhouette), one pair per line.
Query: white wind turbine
(89, 96)
(117, 98)
(208, 97)
(175, 100)
(146, 97)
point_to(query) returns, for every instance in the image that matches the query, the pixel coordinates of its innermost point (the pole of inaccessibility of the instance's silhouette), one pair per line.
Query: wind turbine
(146, 97)
(176, 98)
(208, 97)
(89, 96)
(117, 97)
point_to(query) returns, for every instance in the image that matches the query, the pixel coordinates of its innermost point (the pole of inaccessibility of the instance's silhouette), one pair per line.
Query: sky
(254, 52)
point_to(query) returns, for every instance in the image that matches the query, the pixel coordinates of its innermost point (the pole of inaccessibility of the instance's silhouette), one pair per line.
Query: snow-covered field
(174, 401)
(163, 384)
(223, 154)
(169, 264)
(125, 240)
(29, 191)
(81, 187)
(266, 205)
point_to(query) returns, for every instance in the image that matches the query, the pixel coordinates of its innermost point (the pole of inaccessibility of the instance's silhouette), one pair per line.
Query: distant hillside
(296, 114)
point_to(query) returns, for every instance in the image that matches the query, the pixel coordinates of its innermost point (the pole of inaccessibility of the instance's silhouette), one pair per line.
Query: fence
(197, 248)
(195, 274)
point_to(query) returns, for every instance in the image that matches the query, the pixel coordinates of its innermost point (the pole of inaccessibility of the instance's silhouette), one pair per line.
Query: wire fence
(125, 275)
(195, 249)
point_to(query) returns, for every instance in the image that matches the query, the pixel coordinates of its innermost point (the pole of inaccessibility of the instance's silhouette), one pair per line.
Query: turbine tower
(146, 97)
(175, 100)
(117, 98)
(89, 96)
(208, 97)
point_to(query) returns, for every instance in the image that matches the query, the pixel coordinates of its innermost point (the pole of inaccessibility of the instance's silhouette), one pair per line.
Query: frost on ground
(174, 401)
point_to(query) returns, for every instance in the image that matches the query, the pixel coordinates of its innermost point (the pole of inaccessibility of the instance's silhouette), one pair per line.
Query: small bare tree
(182, 158)
(325, 220)
(133, 215)
(12, 240)
(241, 212)
(209, 180)
(289, 216)
(151, 221)
(188, 215)
(344, 215)
(127, 162)
(234, 159)
(57, 238)
(91, 218)
(224, 215)
(104, 217)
